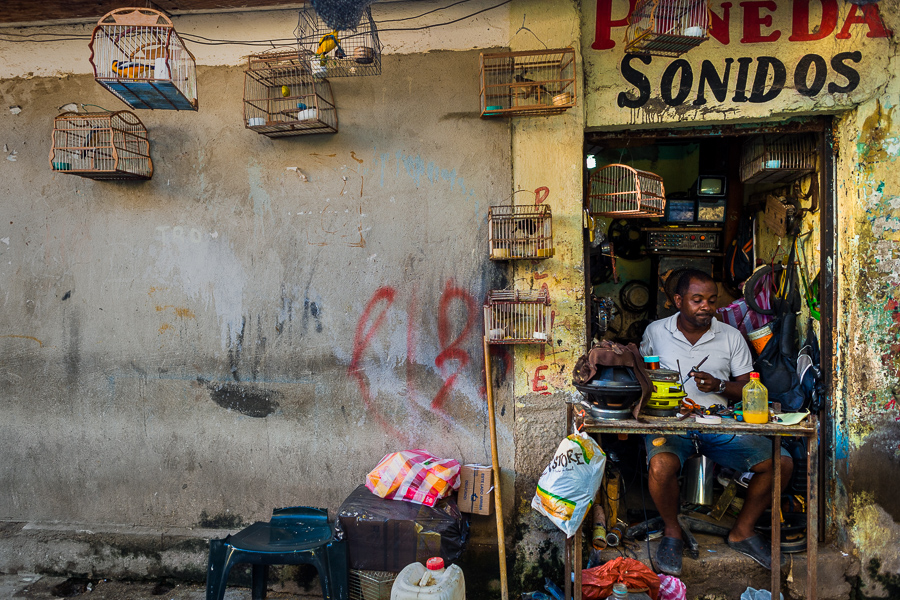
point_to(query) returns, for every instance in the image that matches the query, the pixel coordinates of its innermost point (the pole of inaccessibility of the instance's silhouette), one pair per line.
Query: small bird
(132, 70)
(531, 90)
(328, 43)
(285, 91)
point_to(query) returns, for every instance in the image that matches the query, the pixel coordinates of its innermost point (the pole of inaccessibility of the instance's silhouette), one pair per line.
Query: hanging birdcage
(540, 82)
(517, 317)
(282, 98)
(520, 232)
(777, 158)
(108, 145)
(667, 27)
(339, 53)
(137, 55)
(623, 191)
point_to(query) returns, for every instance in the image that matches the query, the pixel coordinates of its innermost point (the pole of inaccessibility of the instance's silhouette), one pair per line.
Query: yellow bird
(328, 43)
(132, 70)
(285, 91)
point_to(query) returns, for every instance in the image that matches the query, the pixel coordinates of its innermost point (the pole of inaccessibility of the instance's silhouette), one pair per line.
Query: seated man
(689, 336)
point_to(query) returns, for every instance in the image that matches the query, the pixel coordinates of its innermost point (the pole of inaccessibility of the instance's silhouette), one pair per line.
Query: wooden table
(775, 431)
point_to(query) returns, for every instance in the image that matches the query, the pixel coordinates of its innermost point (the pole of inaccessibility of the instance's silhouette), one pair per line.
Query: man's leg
(663, 483)
(759, 496)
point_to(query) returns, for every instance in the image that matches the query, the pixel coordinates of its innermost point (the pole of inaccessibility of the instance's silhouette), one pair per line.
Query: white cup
(694, 32)
(257, 121)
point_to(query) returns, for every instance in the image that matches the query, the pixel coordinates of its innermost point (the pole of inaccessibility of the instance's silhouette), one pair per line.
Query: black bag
(739, 261)
(777, 365)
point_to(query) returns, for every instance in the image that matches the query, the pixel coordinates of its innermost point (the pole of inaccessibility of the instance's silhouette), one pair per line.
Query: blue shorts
(739, 452)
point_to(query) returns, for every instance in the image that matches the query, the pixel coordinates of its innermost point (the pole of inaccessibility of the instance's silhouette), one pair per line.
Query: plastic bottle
(620, 592)
(416, 582)
(756, 401)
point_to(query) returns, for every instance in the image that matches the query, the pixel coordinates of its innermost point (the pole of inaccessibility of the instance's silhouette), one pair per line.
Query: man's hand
(705, 382)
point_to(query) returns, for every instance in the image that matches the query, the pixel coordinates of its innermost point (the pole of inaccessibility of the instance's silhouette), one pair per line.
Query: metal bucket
(698, 481)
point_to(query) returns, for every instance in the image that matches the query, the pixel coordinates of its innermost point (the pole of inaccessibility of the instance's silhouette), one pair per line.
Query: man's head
(695, 296)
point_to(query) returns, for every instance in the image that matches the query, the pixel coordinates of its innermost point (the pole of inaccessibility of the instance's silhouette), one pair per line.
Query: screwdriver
(699, 364)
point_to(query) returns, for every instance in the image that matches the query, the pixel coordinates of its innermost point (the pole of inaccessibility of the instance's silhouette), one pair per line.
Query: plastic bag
(568, 485)
(414, 476)
(671, 588)
(598, 582)
(754, 594)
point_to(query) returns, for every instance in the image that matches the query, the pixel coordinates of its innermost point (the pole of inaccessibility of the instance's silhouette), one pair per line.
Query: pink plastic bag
(671, 588)
(414, 476)
(738, 314)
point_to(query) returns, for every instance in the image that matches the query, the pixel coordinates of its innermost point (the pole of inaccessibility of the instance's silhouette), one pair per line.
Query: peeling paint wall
(231, 337)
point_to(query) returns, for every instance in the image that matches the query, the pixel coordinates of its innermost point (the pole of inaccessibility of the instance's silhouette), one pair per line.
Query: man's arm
(711, 385)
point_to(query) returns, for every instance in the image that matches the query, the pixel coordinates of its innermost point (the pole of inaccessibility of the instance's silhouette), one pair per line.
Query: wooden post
(495, 463)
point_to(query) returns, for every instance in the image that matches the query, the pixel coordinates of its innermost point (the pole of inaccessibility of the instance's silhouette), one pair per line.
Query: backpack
(739, 259)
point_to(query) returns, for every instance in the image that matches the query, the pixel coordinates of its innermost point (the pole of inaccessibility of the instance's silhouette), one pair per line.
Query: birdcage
(339, 53)
(667, 27)
(370, 585)
(540, 82)
(137, 55)
(620, 190)
(107, 145)
(282, 98)
(520, 231)
(777, 158)
(517, 317)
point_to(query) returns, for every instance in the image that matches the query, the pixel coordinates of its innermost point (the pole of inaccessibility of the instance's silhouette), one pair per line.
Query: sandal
(756, 548)
(668, 556)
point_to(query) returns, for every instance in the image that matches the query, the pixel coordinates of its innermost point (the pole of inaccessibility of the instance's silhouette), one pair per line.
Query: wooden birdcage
(108, 145)
(345, 53)
(282, 98)
(777, 158)
(623, 191)
(540, 82)
(370, 585)
(137, 55)
(667, 27)
(517, 317)
(520, 232)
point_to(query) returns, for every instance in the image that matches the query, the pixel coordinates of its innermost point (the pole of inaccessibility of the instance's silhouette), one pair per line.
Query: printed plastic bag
(414, 476)
(598, 582)
(568, 485)
(671, 588)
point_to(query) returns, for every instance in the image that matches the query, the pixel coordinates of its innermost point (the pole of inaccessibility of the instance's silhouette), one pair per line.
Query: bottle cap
(651, 359)
(754, 375)
(435, 563)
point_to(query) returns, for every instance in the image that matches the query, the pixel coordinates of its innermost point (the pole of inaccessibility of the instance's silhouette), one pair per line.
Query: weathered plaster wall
(227, 337)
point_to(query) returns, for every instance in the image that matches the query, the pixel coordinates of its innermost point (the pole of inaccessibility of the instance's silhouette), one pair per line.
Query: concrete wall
(228, 337)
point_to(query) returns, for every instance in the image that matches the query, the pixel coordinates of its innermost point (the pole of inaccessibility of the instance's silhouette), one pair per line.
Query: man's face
(698, 305)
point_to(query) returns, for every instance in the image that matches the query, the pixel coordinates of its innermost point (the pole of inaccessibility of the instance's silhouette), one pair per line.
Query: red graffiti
(892, 403)
(451, 350)
(536, 384)
(541, 194)
(361, 341)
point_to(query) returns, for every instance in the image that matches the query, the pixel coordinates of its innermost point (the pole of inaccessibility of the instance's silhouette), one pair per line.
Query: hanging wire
(83, 106)
(523, 28)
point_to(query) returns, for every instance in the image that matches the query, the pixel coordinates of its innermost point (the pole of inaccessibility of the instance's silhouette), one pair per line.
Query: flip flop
(668, 556)
(756, 548)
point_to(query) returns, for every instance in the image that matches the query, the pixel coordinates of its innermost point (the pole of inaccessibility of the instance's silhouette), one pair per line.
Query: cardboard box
(476, 489)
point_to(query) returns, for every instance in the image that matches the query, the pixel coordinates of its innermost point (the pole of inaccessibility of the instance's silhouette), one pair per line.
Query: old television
(704, 204)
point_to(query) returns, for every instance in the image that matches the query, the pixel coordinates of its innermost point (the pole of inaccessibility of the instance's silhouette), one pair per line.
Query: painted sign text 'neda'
(755, 80)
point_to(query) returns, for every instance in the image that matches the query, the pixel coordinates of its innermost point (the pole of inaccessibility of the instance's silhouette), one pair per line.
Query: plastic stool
(295, 535)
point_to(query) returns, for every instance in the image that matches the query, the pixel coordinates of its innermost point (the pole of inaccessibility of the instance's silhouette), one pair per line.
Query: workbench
(775, 431)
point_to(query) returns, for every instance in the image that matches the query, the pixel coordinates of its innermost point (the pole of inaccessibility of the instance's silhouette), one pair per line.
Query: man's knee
(664, 466)
(787, 466)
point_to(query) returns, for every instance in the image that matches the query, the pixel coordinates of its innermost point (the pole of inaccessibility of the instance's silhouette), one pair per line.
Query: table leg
(568, 568)
(577, 558)
(776, 515)
(812, 515)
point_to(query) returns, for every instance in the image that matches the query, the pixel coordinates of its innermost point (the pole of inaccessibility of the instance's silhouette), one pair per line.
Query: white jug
(415, 582)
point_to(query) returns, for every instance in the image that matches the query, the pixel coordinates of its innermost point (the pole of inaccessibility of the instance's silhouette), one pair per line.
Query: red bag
(597, 583)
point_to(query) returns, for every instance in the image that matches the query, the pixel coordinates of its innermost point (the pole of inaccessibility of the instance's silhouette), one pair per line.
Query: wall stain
(354, 157)
(222, 521)
(67, 295)
(871, 145)
(24, 337)
(252, 402)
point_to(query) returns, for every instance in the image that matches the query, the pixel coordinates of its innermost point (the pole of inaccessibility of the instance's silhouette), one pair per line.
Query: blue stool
(295, 535)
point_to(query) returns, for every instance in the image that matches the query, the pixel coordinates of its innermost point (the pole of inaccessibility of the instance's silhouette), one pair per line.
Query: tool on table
(696, 368)
(691, 407)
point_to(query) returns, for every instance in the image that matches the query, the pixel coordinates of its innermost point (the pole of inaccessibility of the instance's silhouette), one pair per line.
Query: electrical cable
(425, 13)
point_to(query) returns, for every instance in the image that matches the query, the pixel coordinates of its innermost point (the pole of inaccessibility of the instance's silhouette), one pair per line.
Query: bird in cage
(530, 90)
(132, 70)
(328, 43)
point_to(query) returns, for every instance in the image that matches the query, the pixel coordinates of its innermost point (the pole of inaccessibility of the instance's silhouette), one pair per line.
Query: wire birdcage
(345, 53)
(137, 55)
(777, 158)
(620, 190)
(667, 27)
(370, 585)
(109, 145)
(540, 82)
(517, 317)
(520, 232)
(282, 98)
